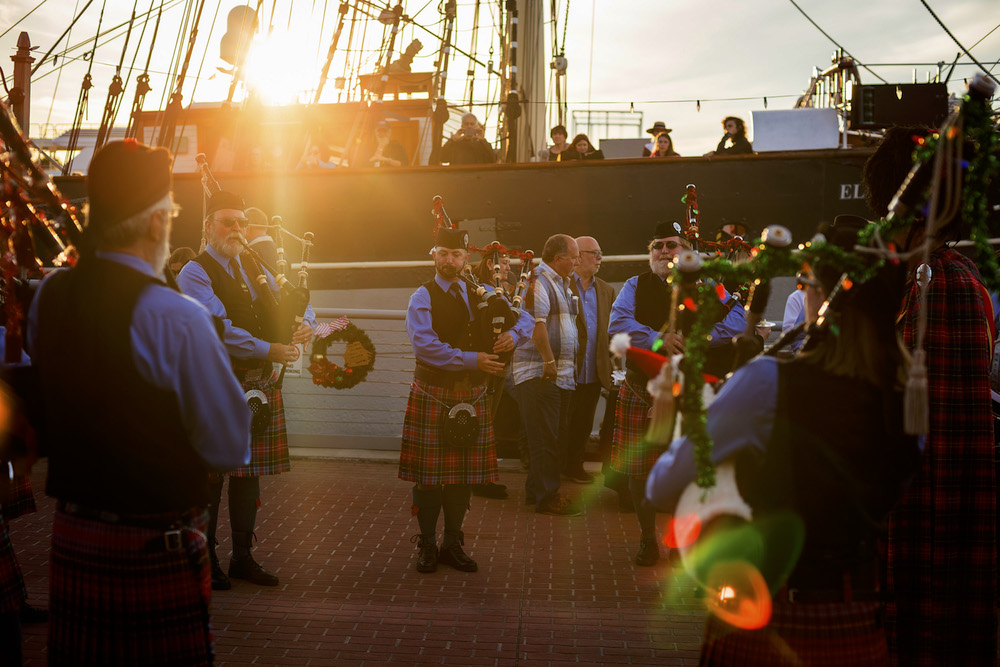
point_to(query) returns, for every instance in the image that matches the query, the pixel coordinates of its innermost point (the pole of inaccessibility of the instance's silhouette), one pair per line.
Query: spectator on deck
(664, 146)
(658, 127)
(554, 153)
(735, 141)
(383, 151)
(468, 145)
(582, 150)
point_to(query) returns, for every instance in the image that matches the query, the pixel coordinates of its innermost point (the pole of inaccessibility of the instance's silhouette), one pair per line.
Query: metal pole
(20, 94)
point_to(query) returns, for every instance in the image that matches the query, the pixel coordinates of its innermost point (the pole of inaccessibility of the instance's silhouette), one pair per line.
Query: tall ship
(302, 94)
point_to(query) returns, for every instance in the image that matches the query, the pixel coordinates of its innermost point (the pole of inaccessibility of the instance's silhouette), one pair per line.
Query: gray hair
(132, 228)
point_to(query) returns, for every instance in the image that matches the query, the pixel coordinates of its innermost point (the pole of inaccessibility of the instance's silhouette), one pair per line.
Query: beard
(228, 243)
(160, 256)
(660, 267)
(448, 271)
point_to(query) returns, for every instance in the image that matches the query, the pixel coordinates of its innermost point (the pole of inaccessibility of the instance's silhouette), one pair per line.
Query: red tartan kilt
(12, 591)
(268, 451)
(21, 500)
(630, 454)
(817, 635)
(114, 601)
(423, 459)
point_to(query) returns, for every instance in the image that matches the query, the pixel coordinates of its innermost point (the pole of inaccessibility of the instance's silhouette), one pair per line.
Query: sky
(631, 57)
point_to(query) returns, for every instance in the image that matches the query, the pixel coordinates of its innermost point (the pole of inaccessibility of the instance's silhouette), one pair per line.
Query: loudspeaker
(881, 106)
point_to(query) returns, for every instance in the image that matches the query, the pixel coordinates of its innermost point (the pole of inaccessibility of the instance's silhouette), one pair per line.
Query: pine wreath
(328, 374)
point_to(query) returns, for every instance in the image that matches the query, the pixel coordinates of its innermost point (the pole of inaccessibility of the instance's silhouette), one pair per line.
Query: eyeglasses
(658, 245)
(173, 212)
(231, 221)
(596, 253)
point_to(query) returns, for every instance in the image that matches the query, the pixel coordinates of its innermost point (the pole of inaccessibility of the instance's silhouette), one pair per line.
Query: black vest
(450, 319)
(652, 305)
(254, 317)
(115, 441)
(840, 472)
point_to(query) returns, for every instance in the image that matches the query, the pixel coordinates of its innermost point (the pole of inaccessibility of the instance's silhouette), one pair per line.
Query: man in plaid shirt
(545, 373)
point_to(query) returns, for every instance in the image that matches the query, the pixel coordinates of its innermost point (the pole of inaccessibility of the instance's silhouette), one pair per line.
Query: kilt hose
(630, 453)
(21, 500)
(817, 635)
(268, 451)
(12, 590)
(118, 597)
(424, 459)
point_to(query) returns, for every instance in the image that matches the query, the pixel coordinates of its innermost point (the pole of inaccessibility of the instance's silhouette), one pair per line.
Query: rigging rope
(24, 17)
(142, 81)
(81, 103)
(954, 39)
(825, 34)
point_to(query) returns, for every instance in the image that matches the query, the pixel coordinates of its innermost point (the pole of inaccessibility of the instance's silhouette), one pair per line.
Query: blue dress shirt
(430, 349)
(176, 348)
(623, 320)
(194, 281)
(588, 301)
(740, 417)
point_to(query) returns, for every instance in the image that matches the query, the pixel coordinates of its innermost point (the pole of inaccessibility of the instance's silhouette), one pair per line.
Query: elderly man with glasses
(641, 310)
(222, 279)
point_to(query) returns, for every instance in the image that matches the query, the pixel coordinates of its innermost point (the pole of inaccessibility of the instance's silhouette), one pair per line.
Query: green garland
(768, 262)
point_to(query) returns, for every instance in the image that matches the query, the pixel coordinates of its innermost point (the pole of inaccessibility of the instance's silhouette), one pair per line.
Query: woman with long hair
(664, 146)
(734, 141)
(582, 149)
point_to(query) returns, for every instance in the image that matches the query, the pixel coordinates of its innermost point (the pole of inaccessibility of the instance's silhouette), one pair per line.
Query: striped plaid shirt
(555, 306)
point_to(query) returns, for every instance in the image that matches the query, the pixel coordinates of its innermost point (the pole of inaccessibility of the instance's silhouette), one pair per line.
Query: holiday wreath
(359, 358)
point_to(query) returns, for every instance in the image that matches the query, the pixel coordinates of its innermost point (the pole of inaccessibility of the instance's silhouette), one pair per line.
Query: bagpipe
(285, 313)
(38, 226)
(497, 311)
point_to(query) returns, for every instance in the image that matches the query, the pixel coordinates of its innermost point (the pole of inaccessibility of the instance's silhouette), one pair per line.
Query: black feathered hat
(224, 200)
(124, 178)
(453, 239)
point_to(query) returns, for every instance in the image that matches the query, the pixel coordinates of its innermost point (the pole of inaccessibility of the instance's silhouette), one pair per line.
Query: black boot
(220, 582)
(427, 559)
(243, 566)
(452, 553)
(649, 552)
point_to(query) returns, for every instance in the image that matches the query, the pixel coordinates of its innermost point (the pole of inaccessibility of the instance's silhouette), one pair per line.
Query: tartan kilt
(817, 635)
(630, 453)
(12, 590)
(21, 500)
(114, 602)
(268, 451)
(424, 459)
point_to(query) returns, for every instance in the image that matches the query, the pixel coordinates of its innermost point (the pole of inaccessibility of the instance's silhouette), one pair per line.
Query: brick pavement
(550, 591)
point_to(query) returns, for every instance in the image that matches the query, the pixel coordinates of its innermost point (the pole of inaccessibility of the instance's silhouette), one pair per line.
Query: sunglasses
(658, 245)
(231, 221)
(596, 253)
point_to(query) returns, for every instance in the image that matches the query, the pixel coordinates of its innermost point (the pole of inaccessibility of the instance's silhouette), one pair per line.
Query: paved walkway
(550, 591)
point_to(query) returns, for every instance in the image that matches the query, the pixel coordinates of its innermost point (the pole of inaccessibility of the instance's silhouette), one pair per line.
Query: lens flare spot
(682, 531)
(738, 595)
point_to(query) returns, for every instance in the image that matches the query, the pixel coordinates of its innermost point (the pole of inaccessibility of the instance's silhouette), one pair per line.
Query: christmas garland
(768, 261)
(359, 347)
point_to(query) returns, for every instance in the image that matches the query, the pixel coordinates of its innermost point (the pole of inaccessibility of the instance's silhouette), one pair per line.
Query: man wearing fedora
(129, 461)
(222, 279)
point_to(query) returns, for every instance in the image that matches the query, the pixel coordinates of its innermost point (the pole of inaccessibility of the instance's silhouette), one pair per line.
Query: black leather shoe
(649, 552)
(458, 559)
(31, 614)
(427, 559)
(220, 582)
(249, 569)
(490, 490)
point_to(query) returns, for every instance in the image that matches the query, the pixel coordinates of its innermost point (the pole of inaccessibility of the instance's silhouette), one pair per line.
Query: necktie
(238, 275)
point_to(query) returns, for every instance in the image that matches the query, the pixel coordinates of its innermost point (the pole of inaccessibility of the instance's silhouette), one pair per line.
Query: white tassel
(916, 414)
(620, 343)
